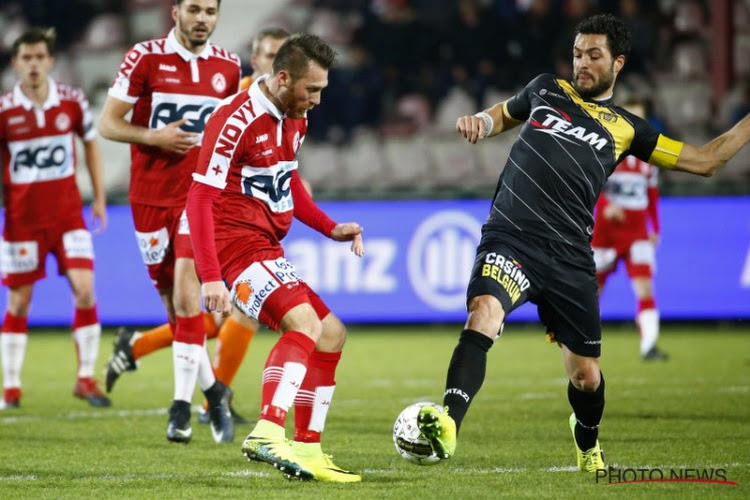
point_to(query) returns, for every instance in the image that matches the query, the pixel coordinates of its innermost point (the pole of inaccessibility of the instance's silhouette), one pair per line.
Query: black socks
(588, 407)
(465, 373)
(214, 394)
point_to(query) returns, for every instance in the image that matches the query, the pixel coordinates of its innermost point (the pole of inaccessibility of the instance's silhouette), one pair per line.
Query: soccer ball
(408, 441)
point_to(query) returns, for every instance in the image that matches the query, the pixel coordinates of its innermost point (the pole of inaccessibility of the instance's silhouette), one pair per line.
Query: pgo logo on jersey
(42, 159)
(168, 108)
(270, 184)
(62, 122)
(557, 123)
(440, 258)
(219, 83)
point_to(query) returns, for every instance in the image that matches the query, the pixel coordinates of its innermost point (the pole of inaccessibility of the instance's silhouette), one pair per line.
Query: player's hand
(472, 128)
(173, 138)
(216, 297)
(350, 231)
(98, 216)
(614, 213)
(654, 238)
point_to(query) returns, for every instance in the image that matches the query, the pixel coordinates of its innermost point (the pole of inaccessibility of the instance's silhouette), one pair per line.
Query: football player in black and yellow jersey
(535, 243)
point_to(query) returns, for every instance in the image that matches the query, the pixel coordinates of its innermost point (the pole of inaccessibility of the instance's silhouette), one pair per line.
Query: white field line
(120, 477)
(442, 470)
(557, 468)
(85, 415)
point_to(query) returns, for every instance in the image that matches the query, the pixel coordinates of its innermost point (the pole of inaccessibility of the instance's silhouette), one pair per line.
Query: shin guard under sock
(588, 408)
(465, 373)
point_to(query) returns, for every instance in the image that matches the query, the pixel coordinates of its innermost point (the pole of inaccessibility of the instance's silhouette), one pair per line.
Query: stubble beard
(598, 88)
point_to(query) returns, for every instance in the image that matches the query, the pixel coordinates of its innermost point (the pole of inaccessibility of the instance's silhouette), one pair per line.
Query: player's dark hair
(296, 53)
(36, 35)
(178, 2)
(618, 34)
(275, 33)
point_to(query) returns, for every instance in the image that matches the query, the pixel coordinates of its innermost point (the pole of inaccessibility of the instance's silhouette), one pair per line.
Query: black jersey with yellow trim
(565, 151)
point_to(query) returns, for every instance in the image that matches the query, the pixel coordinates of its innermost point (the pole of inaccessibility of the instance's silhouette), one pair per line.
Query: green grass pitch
(691, 412)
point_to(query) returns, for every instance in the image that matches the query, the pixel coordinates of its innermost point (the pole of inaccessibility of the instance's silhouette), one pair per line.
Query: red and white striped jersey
(37, 145)
(629, 183)
(633, 186)
(166, 82)
(250, 152)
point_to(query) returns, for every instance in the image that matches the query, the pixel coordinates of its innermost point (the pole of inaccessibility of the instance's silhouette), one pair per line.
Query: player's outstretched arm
(707, 159)
(99, 205)
(114, 126)
(486, 123)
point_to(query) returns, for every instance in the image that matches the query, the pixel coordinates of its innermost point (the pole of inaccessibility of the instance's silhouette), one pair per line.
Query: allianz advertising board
(418, 257)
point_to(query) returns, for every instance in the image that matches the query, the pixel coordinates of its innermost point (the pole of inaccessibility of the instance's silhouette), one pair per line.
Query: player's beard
(605, 81)
(290, 105)
(188, 34)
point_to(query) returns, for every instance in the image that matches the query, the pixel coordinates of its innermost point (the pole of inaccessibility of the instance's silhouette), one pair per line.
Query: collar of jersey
(53, 96)
(257, 94)
(599, 102)
(184, 53)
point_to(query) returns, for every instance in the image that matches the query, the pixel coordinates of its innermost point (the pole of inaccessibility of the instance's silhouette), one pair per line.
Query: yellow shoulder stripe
(619, 129)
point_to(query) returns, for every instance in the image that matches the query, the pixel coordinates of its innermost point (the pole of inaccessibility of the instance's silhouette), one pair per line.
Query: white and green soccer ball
(408, 440)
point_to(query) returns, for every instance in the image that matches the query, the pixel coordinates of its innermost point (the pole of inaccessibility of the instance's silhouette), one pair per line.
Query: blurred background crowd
(408, 68)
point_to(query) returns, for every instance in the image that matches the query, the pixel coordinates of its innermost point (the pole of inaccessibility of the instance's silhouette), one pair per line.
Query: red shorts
(24, 251)
(163, 235)
(638, 254)
(266, 290)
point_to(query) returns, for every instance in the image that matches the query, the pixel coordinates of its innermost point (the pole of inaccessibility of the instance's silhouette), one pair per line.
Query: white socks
(87, 344)
(13, 349)
(648, 322)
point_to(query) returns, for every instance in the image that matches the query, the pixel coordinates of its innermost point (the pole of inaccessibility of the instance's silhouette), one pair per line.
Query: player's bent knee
(486, 315)
(85, 300)
(187, 306)
(19, 300)
(302, 318)
(333, 336)
(586, 379)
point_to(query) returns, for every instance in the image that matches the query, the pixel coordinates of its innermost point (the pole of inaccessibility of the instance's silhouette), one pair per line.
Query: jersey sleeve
(199, 212)
(652, 147)
(85, 125)
(130, 82)
(518, 107)
(307, 211)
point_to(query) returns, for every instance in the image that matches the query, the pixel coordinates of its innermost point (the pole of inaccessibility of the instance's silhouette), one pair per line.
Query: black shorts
(558, 278)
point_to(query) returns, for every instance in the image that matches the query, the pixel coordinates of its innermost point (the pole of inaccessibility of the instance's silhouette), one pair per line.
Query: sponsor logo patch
(219, 83)
(153, 245)
(42, 159)
(18, 256)
(62, 122)
(507, 272)
(557, 123)
(78, 244)
(256, 283)
(168, 108)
